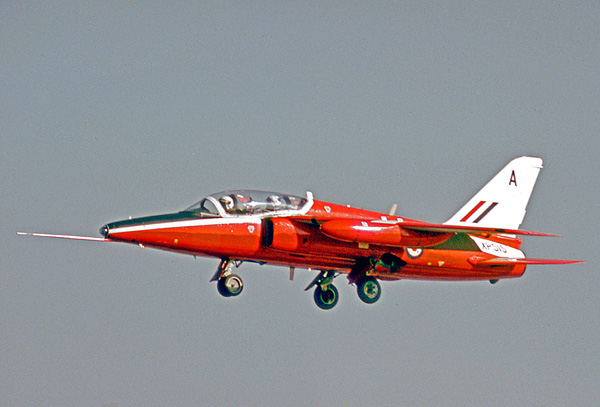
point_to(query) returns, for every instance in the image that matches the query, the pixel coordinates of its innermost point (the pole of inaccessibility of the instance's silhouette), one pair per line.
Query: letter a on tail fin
(502, 201)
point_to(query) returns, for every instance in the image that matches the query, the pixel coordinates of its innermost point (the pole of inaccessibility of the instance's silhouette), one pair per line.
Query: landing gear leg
(326, 295)
(228, 285)
(360, 269)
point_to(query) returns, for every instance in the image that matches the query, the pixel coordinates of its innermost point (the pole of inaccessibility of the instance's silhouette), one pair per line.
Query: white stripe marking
(187, 223)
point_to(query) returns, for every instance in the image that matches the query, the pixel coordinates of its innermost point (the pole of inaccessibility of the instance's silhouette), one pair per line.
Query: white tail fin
(502, 202)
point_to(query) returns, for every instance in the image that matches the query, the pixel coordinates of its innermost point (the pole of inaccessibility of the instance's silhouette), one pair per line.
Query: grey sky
(117, 109)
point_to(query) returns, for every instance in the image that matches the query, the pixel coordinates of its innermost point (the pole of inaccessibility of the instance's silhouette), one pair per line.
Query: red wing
(430, 227)
(405, 232)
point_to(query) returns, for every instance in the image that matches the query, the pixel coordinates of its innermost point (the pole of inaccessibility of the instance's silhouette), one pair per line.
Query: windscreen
(247, 202)
(256, 202)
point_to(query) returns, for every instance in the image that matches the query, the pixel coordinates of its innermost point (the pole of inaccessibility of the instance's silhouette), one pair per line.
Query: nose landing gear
(228, 285)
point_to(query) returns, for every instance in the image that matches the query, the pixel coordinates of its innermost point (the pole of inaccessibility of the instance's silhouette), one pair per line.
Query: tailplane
(503, 201)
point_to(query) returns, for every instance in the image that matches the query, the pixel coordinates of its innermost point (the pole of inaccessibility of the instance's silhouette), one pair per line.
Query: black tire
(328, 298)
(230, 286)
(368, 290)
(221, 287)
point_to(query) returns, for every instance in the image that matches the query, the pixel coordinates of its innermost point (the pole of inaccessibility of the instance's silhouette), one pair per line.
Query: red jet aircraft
(480, 242)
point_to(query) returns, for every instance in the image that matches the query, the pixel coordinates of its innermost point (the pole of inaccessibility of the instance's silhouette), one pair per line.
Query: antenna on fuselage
(393, 210)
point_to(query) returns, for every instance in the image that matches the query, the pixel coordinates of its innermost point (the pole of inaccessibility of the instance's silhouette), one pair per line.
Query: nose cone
(104, 230)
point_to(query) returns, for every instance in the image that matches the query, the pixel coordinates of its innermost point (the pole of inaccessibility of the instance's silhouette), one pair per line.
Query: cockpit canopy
(246, 202)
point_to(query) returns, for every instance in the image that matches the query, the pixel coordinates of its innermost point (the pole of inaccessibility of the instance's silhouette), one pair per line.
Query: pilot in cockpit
(228, 203)
(273, 203)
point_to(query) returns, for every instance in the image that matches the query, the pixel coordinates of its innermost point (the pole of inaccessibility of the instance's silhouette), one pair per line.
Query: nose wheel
(230, 286)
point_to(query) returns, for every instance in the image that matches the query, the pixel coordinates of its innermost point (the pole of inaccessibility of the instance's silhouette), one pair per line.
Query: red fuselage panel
(328, 236)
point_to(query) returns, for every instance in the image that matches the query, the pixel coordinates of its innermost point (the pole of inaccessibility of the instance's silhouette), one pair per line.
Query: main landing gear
(326, 295)
(228, 285)
(368, 289)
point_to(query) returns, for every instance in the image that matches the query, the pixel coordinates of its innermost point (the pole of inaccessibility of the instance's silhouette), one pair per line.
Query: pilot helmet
(273, 202)
(227, 202)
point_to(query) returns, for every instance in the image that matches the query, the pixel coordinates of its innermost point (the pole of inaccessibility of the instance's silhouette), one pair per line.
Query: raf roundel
(414, 253)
